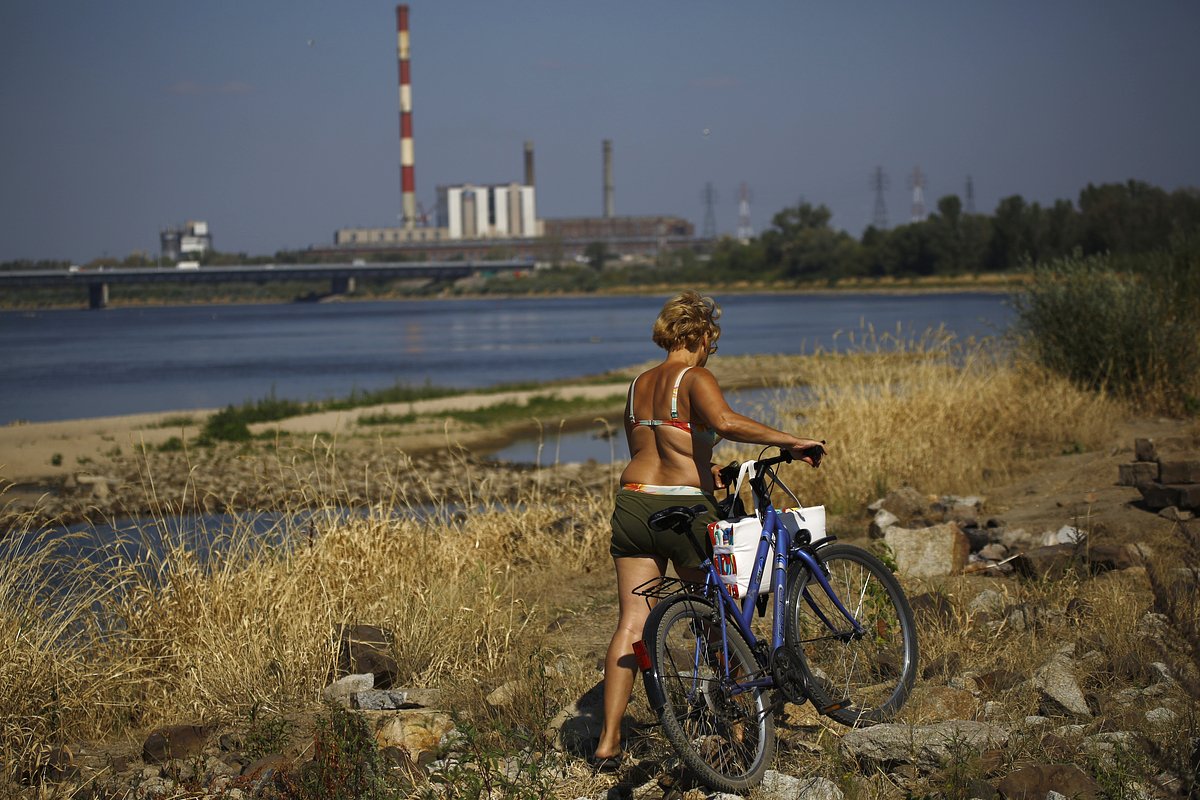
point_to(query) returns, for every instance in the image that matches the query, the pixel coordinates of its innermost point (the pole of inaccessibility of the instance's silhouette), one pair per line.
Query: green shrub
(1122, 325)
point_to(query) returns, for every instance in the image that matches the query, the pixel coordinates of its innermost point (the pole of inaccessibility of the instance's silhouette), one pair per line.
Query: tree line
(1121, 219)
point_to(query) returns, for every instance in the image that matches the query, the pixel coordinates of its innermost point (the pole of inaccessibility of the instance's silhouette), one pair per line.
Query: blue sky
(278, 121)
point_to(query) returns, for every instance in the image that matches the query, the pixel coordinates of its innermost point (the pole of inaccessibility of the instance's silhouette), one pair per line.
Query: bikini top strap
(675, 395)
(632, 417)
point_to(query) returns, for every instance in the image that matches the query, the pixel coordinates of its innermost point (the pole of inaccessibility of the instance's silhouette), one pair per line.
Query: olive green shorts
(632, 535)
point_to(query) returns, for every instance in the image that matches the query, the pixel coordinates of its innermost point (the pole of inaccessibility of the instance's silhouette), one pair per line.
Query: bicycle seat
(677, 518)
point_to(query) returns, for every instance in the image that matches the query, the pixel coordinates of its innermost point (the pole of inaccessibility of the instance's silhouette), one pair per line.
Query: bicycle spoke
(861, 674)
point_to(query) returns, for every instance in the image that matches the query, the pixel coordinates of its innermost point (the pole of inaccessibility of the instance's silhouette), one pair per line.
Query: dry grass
(115, 645)
(931, 413)
(93, 648)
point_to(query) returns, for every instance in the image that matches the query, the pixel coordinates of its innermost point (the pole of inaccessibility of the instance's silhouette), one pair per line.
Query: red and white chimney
(408, 184)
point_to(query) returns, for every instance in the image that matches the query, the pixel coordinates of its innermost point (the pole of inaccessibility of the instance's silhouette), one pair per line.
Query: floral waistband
(653, 488)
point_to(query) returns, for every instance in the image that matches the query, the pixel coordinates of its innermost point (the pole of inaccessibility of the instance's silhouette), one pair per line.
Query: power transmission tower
(745, 230)
(709, 197)
(880, 183)
(970, 195)
(917, 181)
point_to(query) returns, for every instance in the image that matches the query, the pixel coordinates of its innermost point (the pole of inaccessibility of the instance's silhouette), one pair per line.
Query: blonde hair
(686, 319)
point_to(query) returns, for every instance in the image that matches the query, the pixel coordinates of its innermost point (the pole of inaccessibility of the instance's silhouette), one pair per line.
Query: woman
(674, 414)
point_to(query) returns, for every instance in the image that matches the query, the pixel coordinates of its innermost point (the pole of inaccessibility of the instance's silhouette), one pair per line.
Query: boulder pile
(931, 536)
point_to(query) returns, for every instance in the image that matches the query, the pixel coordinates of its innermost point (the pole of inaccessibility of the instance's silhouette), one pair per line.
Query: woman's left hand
(718, 481)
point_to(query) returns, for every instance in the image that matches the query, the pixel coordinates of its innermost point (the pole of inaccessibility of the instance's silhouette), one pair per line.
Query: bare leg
(620, 665)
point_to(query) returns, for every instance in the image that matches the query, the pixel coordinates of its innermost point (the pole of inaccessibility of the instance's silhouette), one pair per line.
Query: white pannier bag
(735, 543)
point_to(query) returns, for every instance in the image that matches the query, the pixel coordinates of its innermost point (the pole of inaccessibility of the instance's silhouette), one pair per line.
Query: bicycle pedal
(838, 706)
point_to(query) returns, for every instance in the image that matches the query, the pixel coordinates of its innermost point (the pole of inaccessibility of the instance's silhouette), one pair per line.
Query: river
(66, 364)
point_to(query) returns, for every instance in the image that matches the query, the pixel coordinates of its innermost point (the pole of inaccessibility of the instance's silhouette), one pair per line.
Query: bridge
(342, 277)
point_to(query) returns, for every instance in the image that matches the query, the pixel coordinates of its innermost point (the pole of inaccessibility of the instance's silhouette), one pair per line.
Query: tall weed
(929, 412)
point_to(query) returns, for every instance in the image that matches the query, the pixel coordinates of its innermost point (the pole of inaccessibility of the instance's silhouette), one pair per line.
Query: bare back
(664, 453)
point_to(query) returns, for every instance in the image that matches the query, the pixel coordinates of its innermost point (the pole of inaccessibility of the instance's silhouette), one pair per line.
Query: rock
(174, 742)
(1014, 538)
(1161, 716)
(1059, 688)
(1043, 563)
(927, 746)
(367, 648)
(993, 551)
(1067, 534)
(977, 537)
(1104, 745)
(944, 702)
(340, 691)
(414, 731)
(262, 772)
(959, 509)
(577, 726)
(1144, 450)
(1036, 781)
(883, 520)
(1179, 472)
(777, 786)
(1175, 515)
(55, 765)
(928, 552)
(999, 680)
(1137, 473)
(943, 665)
(989, 601)
(1106, 557)
(1157, 496)
(503, 696)
(907, 504)
(931, 607)
(381, 700)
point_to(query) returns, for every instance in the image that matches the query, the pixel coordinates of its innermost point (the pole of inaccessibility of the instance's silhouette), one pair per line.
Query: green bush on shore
(1125, 325)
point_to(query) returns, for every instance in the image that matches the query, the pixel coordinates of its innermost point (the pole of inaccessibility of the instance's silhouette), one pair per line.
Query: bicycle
(842, 636)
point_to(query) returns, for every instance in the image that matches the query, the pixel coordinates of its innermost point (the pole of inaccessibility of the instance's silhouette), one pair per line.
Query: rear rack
(663, 587)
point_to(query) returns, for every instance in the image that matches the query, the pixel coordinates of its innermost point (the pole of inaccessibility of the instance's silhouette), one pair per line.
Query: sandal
(606, 764)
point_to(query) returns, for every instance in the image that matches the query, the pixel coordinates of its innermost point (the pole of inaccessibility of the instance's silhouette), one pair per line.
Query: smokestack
(528, 163)
(608, 179)
(408, 184)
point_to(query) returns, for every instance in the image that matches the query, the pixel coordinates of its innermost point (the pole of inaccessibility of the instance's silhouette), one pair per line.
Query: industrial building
(477, 219)
(191, 239)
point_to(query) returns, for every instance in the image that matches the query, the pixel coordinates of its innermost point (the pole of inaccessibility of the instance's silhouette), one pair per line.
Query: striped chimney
(408, 183)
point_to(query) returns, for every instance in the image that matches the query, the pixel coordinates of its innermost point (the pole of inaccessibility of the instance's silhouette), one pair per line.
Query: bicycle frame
(774, 534)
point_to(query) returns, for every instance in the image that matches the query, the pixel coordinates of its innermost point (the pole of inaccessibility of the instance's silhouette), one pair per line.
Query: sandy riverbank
(99, 467)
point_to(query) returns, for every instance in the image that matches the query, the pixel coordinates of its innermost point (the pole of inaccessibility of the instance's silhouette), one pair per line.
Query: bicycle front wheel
(854, 678)
(721, 728)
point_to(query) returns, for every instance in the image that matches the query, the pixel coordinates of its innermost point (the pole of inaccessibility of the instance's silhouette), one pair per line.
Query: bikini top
(696, 429)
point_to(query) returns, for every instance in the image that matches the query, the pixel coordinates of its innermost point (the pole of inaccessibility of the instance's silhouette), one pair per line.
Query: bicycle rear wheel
(854, 679)
(725, 733)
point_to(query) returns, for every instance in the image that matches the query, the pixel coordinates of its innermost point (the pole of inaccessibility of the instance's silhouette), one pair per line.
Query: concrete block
(1137, 473)
(1179, 472)
(1156, 496)
(1189, 497)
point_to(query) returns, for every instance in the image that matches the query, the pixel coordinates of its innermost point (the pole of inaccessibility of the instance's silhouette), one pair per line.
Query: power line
(880, 183)
(917, 181)
(745, 230)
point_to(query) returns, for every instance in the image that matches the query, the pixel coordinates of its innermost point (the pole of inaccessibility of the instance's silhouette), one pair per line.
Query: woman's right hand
(810, 451)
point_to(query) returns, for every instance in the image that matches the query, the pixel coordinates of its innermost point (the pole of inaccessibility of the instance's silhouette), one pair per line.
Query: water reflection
(595, 444)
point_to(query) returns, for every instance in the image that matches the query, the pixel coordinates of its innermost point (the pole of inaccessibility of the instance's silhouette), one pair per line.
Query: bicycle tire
(853, 681)
(726, 738)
